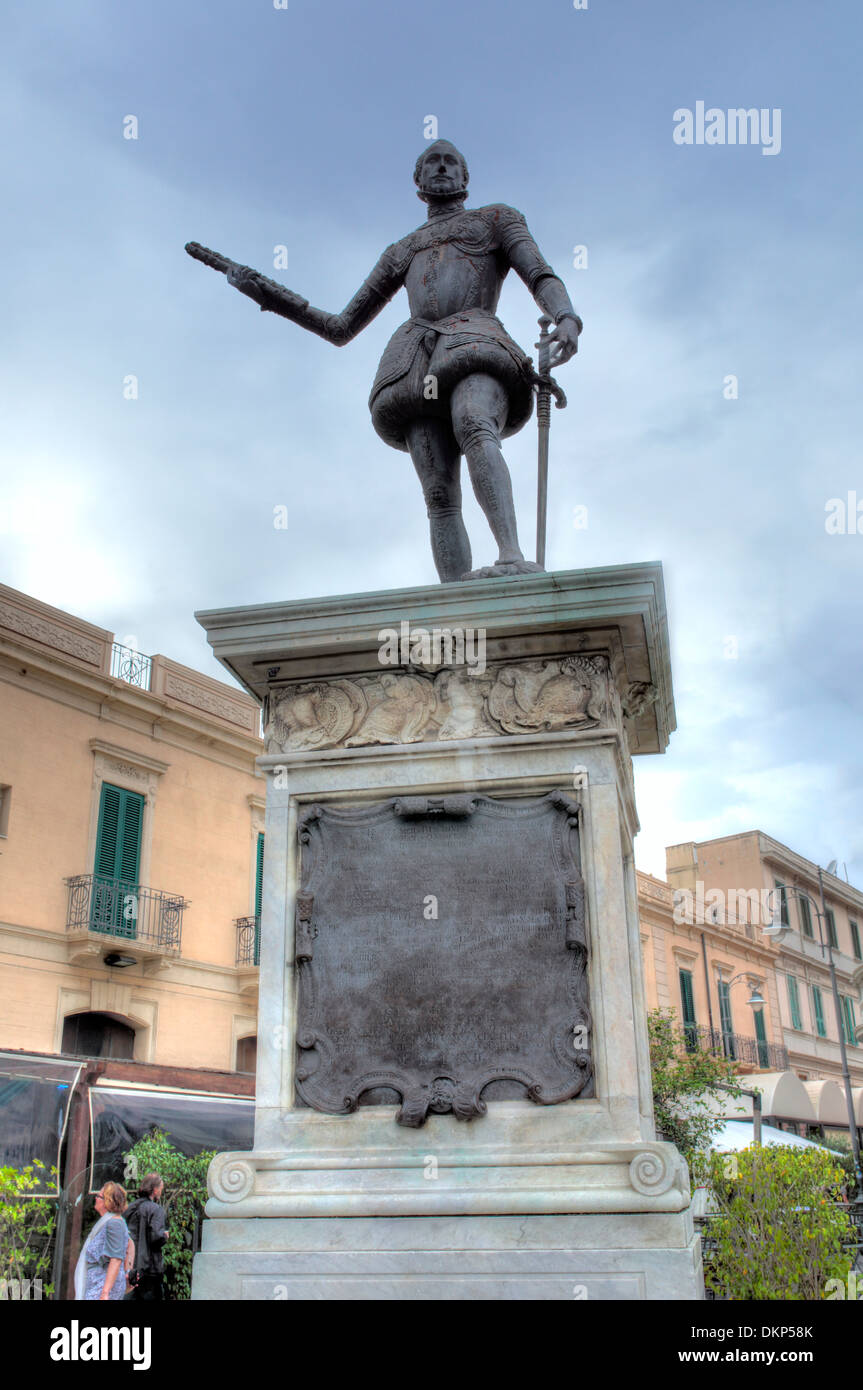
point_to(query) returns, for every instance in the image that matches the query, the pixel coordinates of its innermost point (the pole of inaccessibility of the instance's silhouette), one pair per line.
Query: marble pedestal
(569, 1200)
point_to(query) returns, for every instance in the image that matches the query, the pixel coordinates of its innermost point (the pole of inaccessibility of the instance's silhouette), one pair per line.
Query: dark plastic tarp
(120, 1116)
(34, 1102)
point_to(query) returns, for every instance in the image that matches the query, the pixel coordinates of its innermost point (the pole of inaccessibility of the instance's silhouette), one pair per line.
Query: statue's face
(441, 173)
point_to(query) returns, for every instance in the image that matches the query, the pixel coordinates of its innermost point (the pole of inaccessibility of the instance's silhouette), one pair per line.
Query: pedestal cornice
(616, 611)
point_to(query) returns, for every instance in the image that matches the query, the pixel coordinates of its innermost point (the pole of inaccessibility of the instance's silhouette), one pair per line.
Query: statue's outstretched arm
(376, 291)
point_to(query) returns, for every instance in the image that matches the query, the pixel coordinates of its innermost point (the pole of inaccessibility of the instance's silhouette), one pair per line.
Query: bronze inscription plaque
(442, 953)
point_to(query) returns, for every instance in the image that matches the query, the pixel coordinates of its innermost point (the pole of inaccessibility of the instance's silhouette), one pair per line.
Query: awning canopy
(737, 1134)
(828, 1101)
(194, 1121)
(35, 1093)
(783, 1095)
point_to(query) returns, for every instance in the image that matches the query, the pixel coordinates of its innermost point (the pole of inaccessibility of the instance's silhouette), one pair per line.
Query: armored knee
(472, 431)
(441, 500)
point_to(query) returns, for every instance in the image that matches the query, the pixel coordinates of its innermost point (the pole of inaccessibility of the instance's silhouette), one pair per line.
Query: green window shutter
(113, 908)
(782, 897)
(130, 841)
(806, 916)
(848, 1019)
(106, 839)
(259, 874)
(761, 1038)
(259, 885)
(794, 1003)
(855, 940)
(687, 1007)
(831, 929)
(726, 1021)
(818, 1011)
(118, 841)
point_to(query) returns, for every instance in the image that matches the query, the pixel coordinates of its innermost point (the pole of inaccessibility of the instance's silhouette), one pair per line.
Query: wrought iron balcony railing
(131, 666)
(248, 940)
(129, 911)
(751, 1052)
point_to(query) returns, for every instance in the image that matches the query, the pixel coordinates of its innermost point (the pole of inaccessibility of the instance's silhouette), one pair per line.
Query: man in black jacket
(145, 1219)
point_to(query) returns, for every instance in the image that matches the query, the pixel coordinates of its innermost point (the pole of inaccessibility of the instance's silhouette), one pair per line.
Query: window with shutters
(259, 873)
(687, 1010)
(831, 929)
(849, 1022)
(855, 940)
(806, 916)
(794, 1003)
(818, 1012)
(780, 897)
(259, 887)
(728, 1042)
(761, 1038)
(5, 803)
(118, 855)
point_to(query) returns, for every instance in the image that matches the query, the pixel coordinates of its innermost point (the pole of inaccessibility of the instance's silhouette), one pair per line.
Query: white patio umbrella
(736, 1134)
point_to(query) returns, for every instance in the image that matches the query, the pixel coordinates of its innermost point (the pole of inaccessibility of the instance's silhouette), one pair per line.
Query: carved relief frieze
(199, 697)
(51, 634)
(394, 707)
(639, 696)
(116, 770)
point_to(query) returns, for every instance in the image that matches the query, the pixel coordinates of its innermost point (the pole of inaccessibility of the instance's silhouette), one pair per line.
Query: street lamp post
(827, 949)
(755, 998)
(755, 995)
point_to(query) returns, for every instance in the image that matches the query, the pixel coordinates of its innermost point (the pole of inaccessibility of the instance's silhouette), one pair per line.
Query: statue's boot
(504, 567)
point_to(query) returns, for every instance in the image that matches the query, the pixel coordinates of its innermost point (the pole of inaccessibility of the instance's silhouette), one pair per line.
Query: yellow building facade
(131, 825)
(706, 968)
(753, 905)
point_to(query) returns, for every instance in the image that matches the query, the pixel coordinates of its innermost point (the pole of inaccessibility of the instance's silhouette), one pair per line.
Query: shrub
(684, 1075)
(26, 1227)
(842, 1155)
(183, 1199)
(777, 1233)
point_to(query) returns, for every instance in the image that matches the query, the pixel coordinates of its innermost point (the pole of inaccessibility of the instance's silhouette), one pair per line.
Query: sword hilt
(544, 382)
(544, 345)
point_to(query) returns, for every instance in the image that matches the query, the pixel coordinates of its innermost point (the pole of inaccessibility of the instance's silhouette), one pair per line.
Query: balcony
(248, 940)
(131, 666)
(248, 952)
(107, 916)
(749, 1052)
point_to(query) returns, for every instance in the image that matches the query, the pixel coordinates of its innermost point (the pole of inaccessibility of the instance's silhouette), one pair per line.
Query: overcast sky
(260, 127)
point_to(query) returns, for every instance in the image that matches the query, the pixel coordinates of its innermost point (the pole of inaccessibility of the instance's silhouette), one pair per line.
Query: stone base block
(625, 1257)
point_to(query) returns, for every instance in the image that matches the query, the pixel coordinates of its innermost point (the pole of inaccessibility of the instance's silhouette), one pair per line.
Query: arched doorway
(97, 1035)
(247, 1054)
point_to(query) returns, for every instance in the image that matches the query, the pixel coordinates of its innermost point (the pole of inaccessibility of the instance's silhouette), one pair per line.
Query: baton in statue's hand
(268, 293)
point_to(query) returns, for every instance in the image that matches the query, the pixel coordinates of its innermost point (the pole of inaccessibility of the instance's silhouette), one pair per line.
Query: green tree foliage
(684, 1075)
(778, 1232)
(183, 1199)
(842, 1156)
(26, 1225)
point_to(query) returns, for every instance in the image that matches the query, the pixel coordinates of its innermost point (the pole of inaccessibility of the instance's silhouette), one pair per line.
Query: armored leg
(435, 456)
(479, 410)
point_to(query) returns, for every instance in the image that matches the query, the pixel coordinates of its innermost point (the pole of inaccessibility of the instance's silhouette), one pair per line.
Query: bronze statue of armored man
(451, 380)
